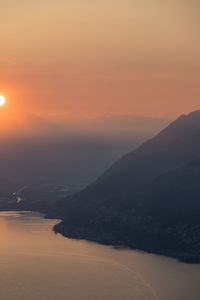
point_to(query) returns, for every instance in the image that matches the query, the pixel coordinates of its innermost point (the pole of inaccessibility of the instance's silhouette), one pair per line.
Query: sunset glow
(2, 100)
(90, 58)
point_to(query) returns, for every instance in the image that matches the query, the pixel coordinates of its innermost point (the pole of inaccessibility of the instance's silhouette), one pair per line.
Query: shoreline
(109, 240)
(184, 257)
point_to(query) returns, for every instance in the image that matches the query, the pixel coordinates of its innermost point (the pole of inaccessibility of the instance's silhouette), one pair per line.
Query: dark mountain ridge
(172, 148)
(174, 196)
(150, 199)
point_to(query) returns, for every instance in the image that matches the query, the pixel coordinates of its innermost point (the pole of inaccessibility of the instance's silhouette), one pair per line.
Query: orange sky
(75, 58)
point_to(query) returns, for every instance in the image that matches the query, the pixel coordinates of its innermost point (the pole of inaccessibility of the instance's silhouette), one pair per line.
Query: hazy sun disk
(2, 100)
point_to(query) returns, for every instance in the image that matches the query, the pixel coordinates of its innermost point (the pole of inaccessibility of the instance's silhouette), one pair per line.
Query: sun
(2, 100)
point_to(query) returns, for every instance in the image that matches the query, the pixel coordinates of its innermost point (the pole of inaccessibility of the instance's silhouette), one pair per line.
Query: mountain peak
(194, 114)
(185, 125)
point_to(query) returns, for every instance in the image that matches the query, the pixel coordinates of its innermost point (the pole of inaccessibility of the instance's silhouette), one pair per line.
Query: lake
(36, 264)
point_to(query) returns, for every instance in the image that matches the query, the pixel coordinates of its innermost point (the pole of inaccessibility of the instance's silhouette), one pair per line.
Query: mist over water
(37, 264)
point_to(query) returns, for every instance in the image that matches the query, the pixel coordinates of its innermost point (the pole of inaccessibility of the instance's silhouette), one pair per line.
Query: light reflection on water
(36, 264)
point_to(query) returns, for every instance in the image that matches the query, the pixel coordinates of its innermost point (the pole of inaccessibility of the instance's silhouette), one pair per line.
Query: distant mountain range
(38, 149)
(53, 159)
(149, 199)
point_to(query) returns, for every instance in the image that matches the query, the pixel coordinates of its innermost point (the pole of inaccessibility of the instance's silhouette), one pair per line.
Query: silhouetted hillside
(173, 147)
(174, 196)
(150, 199)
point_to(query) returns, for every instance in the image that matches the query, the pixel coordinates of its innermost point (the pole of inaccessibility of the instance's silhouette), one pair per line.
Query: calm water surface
(36, 264)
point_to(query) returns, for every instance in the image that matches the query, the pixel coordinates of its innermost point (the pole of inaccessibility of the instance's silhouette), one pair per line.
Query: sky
(71, 59)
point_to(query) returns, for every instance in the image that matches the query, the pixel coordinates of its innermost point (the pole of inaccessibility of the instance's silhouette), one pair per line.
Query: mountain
(174, 196)
(173, 147)
(150, 199)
